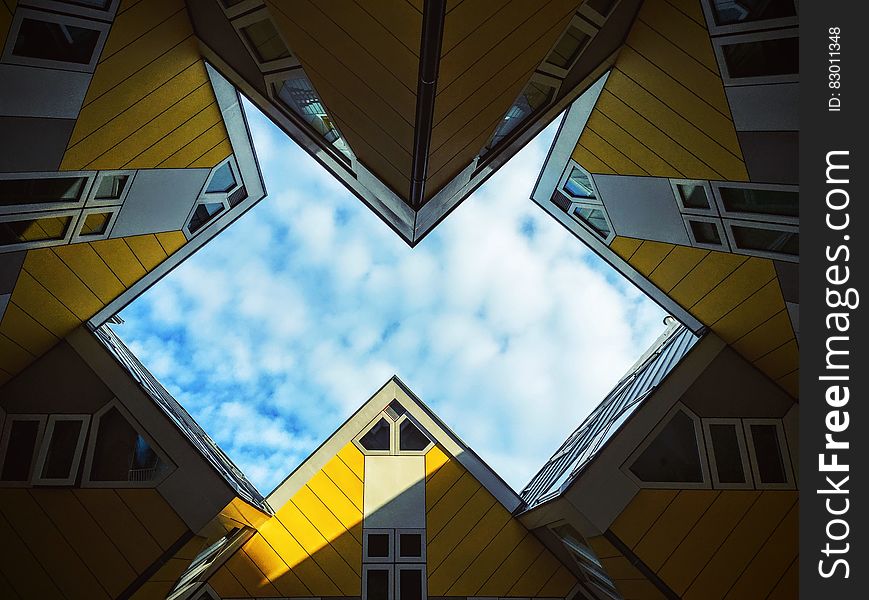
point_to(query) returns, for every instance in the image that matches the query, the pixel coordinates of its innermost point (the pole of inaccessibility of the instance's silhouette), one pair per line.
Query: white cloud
(283, 325)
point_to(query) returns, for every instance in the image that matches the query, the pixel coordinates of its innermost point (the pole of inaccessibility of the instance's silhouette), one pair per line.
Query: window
(222, 180)
(411, 582)
(727, 453)
(410, 545)
(393, 564)
(21, 437)
(204, 560)
(410, 438)
(706, 232)
(45, 190)
(584, 556)
(378, 545)
(55, 41)
(378, 437)
(594, 218)
(299, 96)
(601, 7)
(536, 95)
(770, 461)
(377, 582)
(265, 41)
(111, 187)
(578, 184)
(19, 231)
(765, 240)
(204, 213)
(758, 55)
(61, 450)
(568, 48)
(95, 224)
(728, 12)
(692, 195)
(118, 453)
(672, 456)
(394, 431)
(775, 202)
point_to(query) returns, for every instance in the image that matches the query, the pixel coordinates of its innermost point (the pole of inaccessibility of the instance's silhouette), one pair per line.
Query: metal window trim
(759, 484)
(100, 14)
(79, 237)
(37, 478)
(390, 568)
(715, 29)
(749, 216)
(718, 44)
(422, 546)
(789, 228)
(392, 445)
(92, 200)
(73, 223)
(724, 246)
(396, 432)
(584, 25)
(565, 175)
(713, 209)
(236, 175)
(736, 423)
(571, 211)
(4, 444)
(87, 189)
(257, 16)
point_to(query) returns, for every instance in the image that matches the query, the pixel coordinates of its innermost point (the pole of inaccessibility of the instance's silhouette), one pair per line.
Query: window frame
(93, 201)
(718, 44)
(62, 19)
(713, 209)
(378, 567)
(403, 566)
(87, 189)
(4, 446)
(396, 434)
(715, 29)
(78, 237)
(743, 453)
(100, 14)
(214, 197)
(584, 25)
(787, 465)
(729, 223)
(724, 246)
(422, 545)
(750, 216)
(87, 482)
(53, 419)
(390, 558)
(240, 8)
(392, 438)
(562, 182)
(596, 17)
(706, 482)
(575, 203)
(245, 20)
(75, 213)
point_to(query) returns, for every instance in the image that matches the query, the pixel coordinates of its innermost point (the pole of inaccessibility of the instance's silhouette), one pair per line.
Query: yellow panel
(134, 542)
(536, 576)
(619, 567)
(691, 8)
(22, 329)
(766, 337)
(612, 156)
(751, 275)
(161, 153)
(691, 36)
(197, 147)
(94, 547)
(434, 460)
(603, 547)
(645, 159)
(705, 537)
(508, 572)
(289, 549)
(45, 266)
(22, 569)
(559, 585)
(171, 570)
(48, 546)
(639, 589)
(338, 471)
(226, 585)
(589, 161)
(137, 20)
(789, 585)
(87, 264)
(171, 241)
(329, 526)
(400, 19)
(341, 506)
(147, 249)
(625, 246)
(249, 576)
(248, 514)
(120, 259)
(676, 265)
(649, 255)
(741, 545)
(484, 565)
(673, 525)
(156, 514)
(354, 459)
(773, 560)
(754, 311)
(449, 505)
(791, 383)
(447, 542)
(636, 519)
(213, 156)
(706, 275)
(780, 361)
(13, 358)
(273, 567)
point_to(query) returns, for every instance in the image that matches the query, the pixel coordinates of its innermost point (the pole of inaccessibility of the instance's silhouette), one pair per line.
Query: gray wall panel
(642, 207)
(773, 107)
(789, 279)
(33, 143)
(10, 266)
(32, 92)
(159, 200)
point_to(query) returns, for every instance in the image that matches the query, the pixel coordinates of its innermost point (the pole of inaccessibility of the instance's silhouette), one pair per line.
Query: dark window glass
(533, 97)
(745, 11)
(203, 214)
(767, 453)
(693, 195)
(61, 450)
(377, 437)
(602, 7)
(237, 197)
(55, 41)
(120, 453)
(568, 47)
(222, 181)
(578, 184)
(299, 96)
(560, 201)
(377, 586)
(95, 223)
(265, 41)
(764, 58)
(33, 230)
(594, 218)
(410, 545)
(725, 446)
(19, 451)
(705, 233)
(764, 202)
(39, 191)
(410, 584)
(111, 187)
(411, 438)
(768, 240)
(673, 456)
(395, 409)
(378, 545)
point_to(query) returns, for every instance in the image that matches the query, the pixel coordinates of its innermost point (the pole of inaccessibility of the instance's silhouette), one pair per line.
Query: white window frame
(712, 211)
(72, 227)
(716, 29)
(214, 197)
(718, 44)
(230, 160)
(783, 448)
(724, 246)
(361, 434)
(100, 14)
(86, 190)
(63, 19)
(421, 567)
(396, 433)
(40, 434)
(706, 482)
(240, 8)
(750, 216)
(594, 16)
(390, 558)
(422, 545)
(78, 236)
(271, 65)
(378, 567)
(575, 203)
(743, 453)
(571, 165)
(37, 478)
(93, 201)
(729, 223)
(86, 480)
(583, 25)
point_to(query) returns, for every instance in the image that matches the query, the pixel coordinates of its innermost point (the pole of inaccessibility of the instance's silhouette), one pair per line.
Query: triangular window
(673, 456)
(378, 437)
(121, 454)
(410, 438)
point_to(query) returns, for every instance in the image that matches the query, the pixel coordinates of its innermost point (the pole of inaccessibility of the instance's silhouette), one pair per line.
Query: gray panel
(789, 279)
(4, 302)
(771, 156)
(37, 143)
(394, 492)
(34, 92)
(159, 200)
(772, 107)
(642, 207)
(10, 266)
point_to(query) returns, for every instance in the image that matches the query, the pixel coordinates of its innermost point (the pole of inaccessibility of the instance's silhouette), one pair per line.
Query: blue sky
(281, 327)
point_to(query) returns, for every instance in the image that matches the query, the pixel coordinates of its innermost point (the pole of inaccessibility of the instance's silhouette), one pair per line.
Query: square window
(378, 583)
(762, 58)
(111, 187)
(95, 223)
(410, 545)
(693, 195)
(21, 439)
(61, 449)
(705, 232)
(411, 583)
(378, 545)
(49, 40)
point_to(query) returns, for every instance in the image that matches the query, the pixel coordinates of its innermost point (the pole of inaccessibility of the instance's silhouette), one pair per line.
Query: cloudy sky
(500, 320)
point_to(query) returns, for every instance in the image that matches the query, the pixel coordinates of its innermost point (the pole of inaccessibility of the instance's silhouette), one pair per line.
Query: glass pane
(19, 451)
(568, 48)
(55, 41)
(673, 456)
(377, 437)
(378, 545)
(768, 240)
(578, 184)
(725, 447)
(61, 450)
(705, 232)
(746, 11)
(95, 223)
(410, 545)
(693, 195)
(377, 586)
(222, 181)
(38, 191)
(111, 187)
(767, 453)
(764, 202)
(34, 230)
(121, 454)
(533, 97)
(265, 41)
(764, 58)
(410, 584)
(203, 214)
(395, 410)
(299, 96)
(411, 438)
(594, 218)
